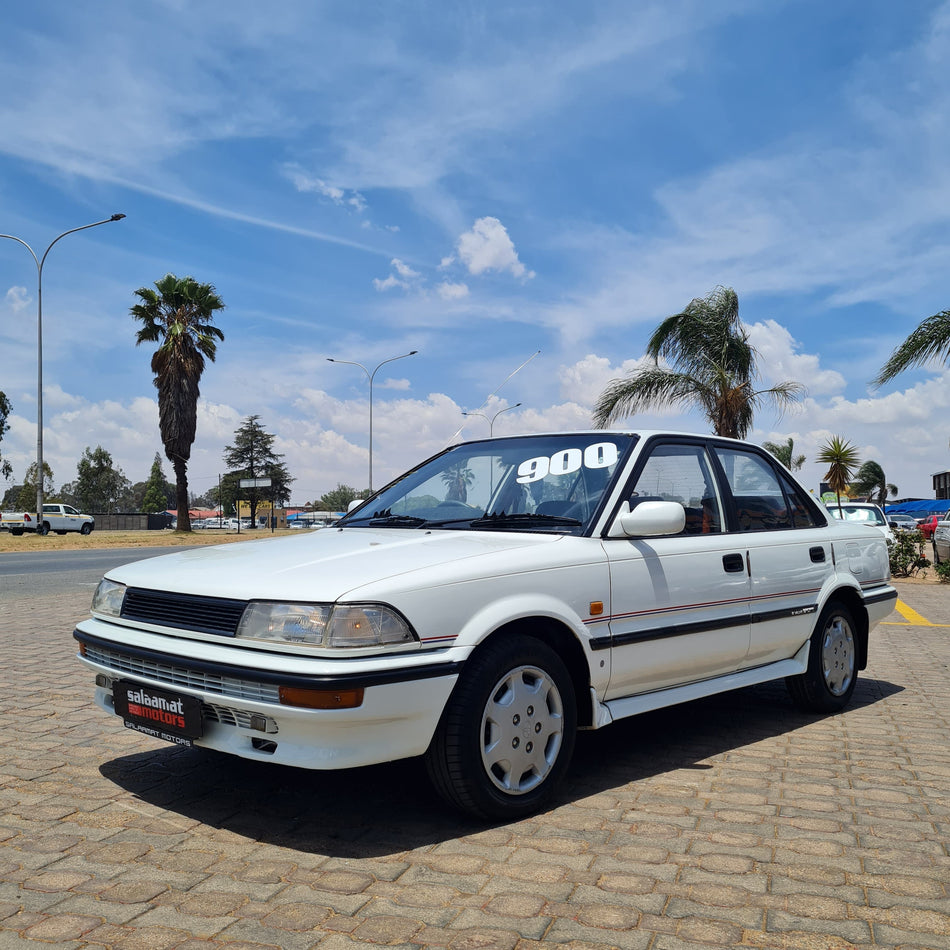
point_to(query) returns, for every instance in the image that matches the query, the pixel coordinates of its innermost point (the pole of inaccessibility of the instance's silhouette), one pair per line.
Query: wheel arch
(852, 599)
(560, 638)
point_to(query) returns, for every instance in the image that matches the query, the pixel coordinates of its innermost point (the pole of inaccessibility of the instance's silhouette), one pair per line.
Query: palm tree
(712, 366)
(870, 481)
(842, 459)
(785, 453)
(458, 479)
(931, 340)
(177, 315)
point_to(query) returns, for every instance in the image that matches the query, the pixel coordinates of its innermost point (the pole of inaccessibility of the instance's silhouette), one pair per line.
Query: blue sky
(478, 182)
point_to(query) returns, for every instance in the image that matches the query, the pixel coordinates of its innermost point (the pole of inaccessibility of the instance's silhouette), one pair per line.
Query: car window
(681, 473)
(761, 500)
(869, 515)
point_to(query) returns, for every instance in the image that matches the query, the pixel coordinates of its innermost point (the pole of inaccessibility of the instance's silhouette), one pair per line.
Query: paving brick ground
(731, 822)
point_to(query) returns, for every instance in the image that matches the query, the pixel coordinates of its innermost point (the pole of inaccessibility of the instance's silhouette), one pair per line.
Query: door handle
(733, 563)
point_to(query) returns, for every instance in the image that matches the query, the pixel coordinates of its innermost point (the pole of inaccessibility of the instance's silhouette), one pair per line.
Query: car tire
(828, 683)
(86, 529)
(43, 528)
(507, 733)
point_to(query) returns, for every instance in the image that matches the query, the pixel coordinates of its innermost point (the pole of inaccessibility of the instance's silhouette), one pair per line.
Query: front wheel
(829, 681)
(86, 529)
(507, 733)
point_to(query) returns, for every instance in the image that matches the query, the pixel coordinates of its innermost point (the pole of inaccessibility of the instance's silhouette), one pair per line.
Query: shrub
(906, 554)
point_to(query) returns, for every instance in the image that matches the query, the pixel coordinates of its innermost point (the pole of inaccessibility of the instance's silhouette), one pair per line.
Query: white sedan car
(485, 606)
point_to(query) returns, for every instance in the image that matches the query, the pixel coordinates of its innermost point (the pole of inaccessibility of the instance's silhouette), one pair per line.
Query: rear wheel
(507, 734)
(829, 681)
(43, 528)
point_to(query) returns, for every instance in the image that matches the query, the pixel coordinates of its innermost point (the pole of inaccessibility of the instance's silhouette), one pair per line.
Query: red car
(927, 526)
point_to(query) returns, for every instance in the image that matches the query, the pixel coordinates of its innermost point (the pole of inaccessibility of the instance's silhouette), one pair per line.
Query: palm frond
(929, 341)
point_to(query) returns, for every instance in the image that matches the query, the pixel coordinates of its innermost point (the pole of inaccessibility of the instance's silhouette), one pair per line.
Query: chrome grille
(181, 676)
(184, 611)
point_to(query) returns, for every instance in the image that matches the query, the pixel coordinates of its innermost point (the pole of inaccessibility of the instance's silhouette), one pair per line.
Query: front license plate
(158, 712)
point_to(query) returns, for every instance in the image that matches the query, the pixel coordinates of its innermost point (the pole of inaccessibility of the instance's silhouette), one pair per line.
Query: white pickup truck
(58, 518)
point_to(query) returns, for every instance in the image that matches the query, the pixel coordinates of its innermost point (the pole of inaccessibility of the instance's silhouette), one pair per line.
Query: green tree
(159, 493)
(11, 498)
(339, 498)
(27, 499)
(99, 484)
(712, 366)
(871, 481)
(253, 456)
(842, 459)
(178, 316)
(785, 453)
(929, 341)
(6, 469)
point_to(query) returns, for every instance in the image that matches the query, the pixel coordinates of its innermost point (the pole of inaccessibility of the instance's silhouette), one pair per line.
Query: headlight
(323, 625)
(108, 598)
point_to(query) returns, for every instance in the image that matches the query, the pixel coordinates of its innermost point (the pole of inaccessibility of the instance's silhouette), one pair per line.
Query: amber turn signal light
(321, 698)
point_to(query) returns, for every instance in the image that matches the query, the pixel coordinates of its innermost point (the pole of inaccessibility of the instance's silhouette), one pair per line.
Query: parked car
(901, 522)
(485, 606)
(941, 542)
(927, 525)
(862, 512)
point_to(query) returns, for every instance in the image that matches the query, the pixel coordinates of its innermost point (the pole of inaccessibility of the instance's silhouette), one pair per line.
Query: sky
(519, 192)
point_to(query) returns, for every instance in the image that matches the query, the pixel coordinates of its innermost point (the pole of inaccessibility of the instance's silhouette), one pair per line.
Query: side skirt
(614, 709)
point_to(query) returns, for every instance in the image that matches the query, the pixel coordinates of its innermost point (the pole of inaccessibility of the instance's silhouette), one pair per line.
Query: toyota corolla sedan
(486, 605)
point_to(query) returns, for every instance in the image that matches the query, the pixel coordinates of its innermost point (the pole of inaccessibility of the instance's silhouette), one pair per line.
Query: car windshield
(526, 483)
(870, 515)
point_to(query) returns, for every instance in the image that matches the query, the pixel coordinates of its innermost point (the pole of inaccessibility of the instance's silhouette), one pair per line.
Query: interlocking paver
(736, 821)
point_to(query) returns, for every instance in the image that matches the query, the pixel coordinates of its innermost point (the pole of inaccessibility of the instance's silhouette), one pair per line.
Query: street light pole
(370, 376)
(491, 421)
(39, 353)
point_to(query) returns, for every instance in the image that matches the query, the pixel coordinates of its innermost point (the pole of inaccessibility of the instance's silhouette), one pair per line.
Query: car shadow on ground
(385, 809)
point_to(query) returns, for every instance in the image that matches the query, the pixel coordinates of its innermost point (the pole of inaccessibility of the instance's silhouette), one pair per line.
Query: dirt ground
(128, 539)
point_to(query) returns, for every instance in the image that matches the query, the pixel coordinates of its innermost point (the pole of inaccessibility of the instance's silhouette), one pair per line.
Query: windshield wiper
(391, 521)
(525, 519)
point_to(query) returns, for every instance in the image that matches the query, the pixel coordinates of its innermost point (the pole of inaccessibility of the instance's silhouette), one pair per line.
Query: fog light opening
(264, 745)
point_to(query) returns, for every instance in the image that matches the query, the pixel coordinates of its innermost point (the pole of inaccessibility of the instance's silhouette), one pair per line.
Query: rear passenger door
(789, 560)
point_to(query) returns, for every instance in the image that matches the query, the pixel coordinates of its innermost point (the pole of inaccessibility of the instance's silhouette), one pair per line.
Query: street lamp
(491, 421)
(39, 353)
(370, 377)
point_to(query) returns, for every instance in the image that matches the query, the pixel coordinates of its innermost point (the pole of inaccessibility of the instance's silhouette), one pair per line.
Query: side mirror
(354, 504)
(650, 519)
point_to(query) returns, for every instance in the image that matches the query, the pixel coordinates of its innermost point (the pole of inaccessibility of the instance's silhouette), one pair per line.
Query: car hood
(324, 565)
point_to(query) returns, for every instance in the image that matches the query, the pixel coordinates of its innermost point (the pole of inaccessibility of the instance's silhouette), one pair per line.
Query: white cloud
(18, 298)
(450, 291)
(487, 247)
(404, 277)
(779, 361)
(403, 270)
(304, 182)
(388, 283)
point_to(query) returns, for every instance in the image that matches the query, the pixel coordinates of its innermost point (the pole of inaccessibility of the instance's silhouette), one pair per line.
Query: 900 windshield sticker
(566, 461)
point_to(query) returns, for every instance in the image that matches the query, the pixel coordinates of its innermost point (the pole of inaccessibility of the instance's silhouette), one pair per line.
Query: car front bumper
(242, 712)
